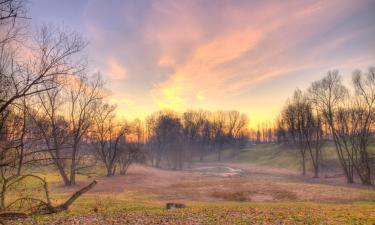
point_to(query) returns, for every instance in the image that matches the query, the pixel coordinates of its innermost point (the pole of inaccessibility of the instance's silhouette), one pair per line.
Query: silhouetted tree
(329, 95)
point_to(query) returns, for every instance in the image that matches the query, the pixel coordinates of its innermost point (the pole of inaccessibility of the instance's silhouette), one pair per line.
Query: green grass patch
(280, 156)
(116, 211)
(269, 154)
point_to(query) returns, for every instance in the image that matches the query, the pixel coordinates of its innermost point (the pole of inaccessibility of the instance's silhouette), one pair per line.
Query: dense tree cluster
(329, 111)
(176, 139)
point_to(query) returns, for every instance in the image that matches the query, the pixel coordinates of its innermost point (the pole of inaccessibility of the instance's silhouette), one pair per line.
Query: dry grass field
(212, 182)
(216, 193)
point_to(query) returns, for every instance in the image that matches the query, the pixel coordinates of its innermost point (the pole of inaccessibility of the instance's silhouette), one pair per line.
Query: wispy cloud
(265, 47)
(200, 72)
(221, 54)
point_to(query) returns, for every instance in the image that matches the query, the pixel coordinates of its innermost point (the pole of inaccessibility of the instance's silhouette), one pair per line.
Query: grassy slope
(268, 154)
(280, 156)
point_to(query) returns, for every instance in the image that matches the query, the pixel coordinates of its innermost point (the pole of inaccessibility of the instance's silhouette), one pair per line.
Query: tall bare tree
(108, 134)
(27, 71)
(131, 147)
(219, 132)
(83, 96)
(56, 62)
(191, 124)
(329, 95)
(359, 121)
(295, 117)
(237, 123)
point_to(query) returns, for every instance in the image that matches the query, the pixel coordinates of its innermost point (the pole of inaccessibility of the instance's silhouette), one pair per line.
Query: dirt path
(231, 182)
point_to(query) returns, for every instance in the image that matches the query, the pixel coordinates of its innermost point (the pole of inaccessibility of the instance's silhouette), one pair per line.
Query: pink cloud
(116, 71)
(246, 54)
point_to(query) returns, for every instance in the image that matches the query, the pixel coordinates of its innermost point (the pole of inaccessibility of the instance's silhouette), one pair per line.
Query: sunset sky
(212, 54)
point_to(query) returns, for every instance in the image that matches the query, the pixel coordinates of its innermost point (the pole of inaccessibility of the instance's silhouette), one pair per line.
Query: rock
(175, 205)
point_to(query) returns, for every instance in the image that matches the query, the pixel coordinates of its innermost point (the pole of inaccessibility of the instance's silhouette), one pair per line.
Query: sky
(215, 54)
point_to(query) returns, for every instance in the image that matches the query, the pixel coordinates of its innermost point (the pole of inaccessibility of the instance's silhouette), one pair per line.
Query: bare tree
(205, 134)
(27, 71)
(219, 135)
(349, 118)
(152, 140)
(170, 132)
(359, 119)
(10, 10)
(83, 95)
(53, 127)
(51, 57)
(329, 95)
(191, 122)
(236, 133)
(108, 135)
(295, 116)
(311, 128)
(56, 49)
(130, 148)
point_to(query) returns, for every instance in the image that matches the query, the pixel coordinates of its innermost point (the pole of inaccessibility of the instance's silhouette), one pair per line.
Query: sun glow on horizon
(237, 55)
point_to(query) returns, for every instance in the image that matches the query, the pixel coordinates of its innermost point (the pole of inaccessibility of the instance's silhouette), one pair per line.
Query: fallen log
(13, 215)
(49, 209)
(45, 207)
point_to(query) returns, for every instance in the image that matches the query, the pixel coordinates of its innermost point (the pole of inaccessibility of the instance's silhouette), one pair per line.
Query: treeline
(52, 113)
(330, 112)
(175, 139)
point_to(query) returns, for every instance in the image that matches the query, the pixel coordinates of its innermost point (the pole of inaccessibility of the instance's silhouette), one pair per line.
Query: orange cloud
(199, 72)
(195, 54)
(245, 55)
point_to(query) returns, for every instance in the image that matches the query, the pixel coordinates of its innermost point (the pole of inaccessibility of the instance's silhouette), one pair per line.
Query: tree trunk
(365, 175)
(109, 170)
(73, 174)
(303, 165)
(73, 167)
(63, 174)
(316, 171)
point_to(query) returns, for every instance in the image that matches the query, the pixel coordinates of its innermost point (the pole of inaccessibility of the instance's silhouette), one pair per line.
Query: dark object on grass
(13, 215)
(175, 206)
